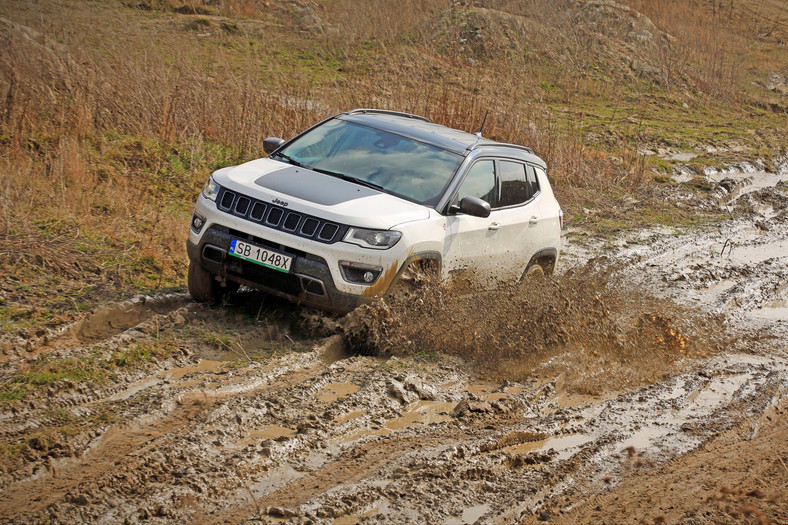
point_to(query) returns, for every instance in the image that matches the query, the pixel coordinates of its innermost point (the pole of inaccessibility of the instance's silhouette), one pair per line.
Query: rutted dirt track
(243, 420)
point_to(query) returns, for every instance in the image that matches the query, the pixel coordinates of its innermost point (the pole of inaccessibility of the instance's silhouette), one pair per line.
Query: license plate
(262, 256)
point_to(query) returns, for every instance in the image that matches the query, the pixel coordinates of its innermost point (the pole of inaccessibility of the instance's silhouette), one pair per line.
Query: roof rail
(387, 112)
(499, 144)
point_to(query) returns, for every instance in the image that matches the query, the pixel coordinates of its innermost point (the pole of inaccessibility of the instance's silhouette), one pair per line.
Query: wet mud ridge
(649, 355)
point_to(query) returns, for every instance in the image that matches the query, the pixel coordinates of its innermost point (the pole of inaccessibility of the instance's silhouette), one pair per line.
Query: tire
(203, 286)
(534, 271)
(415, 276)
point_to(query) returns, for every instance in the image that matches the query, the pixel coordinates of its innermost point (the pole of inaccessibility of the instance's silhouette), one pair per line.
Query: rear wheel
(534, 271)
(203, 286)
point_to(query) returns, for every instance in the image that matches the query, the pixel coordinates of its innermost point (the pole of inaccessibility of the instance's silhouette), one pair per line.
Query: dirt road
(675, 413)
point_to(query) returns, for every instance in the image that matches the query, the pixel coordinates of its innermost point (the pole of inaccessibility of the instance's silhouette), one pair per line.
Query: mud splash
(594, 332)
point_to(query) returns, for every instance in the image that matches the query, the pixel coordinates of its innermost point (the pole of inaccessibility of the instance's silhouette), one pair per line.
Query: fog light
(197, 223)
(359, 273)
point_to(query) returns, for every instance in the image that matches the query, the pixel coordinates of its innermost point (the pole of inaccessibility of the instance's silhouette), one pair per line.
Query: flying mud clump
(586, 326)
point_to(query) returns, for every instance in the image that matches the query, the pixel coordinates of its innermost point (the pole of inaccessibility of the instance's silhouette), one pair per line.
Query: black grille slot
(328, 232)
(226, 202)
(279, 218)
(283, 282)
(258, 210)
(291, 222)
(274, 216)
(242, 206)
(309, 227)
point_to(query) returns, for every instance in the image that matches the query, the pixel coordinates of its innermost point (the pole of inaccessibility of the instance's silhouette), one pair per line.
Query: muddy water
(270, 432)
(334, 391)
(564, 445)
(735, 184)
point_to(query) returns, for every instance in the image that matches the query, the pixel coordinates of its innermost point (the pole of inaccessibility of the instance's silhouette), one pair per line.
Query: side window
(533, 181)
(480, 182)
(515, 188)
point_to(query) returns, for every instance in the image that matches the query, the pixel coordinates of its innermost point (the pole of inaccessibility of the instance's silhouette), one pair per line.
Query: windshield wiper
(350, 178)
(289, 159)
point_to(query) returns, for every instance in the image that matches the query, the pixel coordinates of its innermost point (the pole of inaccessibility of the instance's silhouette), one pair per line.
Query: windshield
(395, 164)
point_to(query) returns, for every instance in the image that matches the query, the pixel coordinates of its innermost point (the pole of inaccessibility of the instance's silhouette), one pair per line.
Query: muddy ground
(645, 383)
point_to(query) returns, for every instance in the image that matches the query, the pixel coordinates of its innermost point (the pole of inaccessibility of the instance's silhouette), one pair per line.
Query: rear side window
(533, 181)
(515, 188)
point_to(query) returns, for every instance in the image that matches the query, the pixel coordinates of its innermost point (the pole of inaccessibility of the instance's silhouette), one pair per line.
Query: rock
(645, 70)
(424, 391)
(396, 390)
(461, 409)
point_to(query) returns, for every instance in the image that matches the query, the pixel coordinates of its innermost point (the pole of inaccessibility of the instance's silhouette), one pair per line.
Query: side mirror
(472, 206)
(271, 143)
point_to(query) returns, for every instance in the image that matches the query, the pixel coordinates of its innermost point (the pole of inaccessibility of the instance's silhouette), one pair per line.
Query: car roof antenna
(479, 133)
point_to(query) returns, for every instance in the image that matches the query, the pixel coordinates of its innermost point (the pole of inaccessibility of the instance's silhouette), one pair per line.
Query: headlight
(377, 239)
(211, 189)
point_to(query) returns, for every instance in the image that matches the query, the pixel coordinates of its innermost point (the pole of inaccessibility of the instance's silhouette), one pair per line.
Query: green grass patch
(98, 367)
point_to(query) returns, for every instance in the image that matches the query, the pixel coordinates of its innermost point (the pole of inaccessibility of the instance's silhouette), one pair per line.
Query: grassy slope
(115, 112)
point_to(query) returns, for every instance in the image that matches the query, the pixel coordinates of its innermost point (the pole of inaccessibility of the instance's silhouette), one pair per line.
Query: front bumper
(309, 282)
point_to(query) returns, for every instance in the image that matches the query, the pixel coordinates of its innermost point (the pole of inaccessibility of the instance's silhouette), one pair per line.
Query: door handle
(494, 226)
(533, 220)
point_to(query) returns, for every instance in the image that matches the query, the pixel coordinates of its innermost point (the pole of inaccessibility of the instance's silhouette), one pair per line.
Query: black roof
(421, 129)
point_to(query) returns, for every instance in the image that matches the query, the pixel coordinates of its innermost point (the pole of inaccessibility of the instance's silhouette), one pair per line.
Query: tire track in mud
(100, 324)
(362, 462)
(115, 445)
(125, 445)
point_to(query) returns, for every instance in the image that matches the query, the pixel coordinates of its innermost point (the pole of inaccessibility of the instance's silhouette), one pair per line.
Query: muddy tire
(535, 271)
(413, 278)
(203, 286)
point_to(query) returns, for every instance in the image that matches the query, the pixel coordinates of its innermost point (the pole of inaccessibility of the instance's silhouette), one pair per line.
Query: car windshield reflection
(398, 165)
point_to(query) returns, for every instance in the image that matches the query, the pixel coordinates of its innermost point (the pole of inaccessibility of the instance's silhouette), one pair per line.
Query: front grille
(279, 218)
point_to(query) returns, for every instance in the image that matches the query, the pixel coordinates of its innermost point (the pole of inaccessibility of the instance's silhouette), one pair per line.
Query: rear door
(519, 215)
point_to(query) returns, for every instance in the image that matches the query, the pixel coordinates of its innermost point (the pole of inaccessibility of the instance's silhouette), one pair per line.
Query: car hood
(321, 195)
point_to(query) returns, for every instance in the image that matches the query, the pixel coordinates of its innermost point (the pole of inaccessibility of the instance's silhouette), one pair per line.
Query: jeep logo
(280, 203)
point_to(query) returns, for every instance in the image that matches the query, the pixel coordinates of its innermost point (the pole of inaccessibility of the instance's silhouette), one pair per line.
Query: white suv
(337, 215)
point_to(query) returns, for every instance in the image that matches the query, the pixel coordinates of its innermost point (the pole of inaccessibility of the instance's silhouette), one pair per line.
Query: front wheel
(415, 276)
(203, 286)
